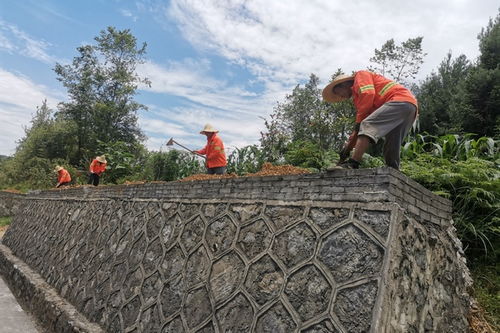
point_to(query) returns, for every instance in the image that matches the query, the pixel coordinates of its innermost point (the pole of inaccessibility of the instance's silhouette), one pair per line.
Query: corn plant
(248, 159)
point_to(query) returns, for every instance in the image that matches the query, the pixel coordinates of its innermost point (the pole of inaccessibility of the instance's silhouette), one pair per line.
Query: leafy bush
(305, 154)
(171, 165)
(248, 159)
(466, 171)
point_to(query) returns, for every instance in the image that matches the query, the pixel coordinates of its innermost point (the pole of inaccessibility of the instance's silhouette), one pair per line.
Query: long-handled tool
(172, 141)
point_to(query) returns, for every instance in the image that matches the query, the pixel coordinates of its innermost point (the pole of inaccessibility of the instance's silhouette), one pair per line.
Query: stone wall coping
(366, 185)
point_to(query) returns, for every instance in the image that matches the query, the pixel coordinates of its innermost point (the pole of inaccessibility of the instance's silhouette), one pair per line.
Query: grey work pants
(392, 121)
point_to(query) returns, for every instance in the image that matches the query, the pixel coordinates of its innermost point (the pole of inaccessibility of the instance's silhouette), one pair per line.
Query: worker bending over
(97, 167)
(63, 176)
(384, 108)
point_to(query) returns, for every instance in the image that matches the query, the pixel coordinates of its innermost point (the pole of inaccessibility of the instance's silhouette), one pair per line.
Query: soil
(275, 170)
(267, 170)
(477, 321)
(3, 229)
(11, 190)
(204, 176)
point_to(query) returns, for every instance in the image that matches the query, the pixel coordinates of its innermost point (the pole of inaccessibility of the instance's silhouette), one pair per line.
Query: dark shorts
(216, 171)
(391, 121)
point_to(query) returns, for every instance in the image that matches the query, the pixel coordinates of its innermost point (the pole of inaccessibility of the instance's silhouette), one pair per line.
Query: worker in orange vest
(384, 109)
(214, 150)
(63, 176)
(97, 167)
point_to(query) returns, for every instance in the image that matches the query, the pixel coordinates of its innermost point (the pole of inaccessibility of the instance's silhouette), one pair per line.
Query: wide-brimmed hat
(328, 94)
(208, 128)
(58, 168)
(101, 159)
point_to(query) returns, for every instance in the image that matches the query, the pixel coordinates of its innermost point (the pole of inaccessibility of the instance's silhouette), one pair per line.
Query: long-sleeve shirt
(97, 167)
(370, 91)
(63, 176)
(214, 150)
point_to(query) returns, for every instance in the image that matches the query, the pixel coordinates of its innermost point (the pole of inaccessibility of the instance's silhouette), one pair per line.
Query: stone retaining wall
(350, 251)
(9, 203)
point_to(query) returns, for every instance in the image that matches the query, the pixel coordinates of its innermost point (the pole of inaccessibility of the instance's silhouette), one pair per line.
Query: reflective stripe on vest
(367, 87)
(386, 88)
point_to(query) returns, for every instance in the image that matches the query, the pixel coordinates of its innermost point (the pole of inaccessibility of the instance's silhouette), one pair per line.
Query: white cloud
(189, 79)
(281, 43)
(128, 13)
(14, 40)
(19, 97)
(285, 41)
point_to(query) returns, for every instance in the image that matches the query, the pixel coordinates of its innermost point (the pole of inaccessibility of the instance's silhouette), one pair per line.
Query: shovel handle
(192, 151)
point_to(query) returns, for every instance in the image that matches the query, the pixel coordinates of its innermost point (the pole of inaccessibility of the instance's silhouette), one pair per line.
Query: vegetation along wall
(351, 251)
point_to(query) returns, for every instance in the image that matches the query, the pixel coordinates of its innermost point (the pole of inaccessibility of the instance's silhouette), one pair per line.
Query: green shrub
(248, 159)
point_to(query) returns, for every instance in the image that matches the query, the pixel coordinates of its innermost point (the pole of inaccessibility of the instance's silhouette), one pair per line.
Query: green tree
(482, 86)
(440, 96)
(102, 83)
(399, 62)
(304, 117)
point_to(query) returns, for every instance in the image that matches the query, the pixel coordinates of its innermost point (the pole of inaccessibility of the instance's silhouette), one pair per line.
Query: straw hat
(58, 168)
(328, 94)
(208, 128)
(101, 159)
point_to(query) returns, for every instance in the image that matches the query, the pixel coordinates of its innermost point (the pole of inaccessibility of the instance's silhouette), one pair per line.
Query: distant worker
(63, 176)
(214, 150)
(97, 167)
(384, 109)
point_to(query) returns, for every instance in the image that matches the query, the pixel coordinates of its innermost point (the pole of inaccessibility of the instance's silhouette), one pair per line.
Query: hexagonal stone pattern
(244, 213)
(197, 267)
(325, 326)
(171, 296)
(172, 262)
(174, 326)
(154, 224)
(309, 292)
(192, 233)
(130, 311)
(210, 211)
(132, 284)
(282, 216)
(295, 245)
(197, 307)
(152, 257)
(151, 287)
(171, 230)
(188, 210)
(350, 254)
(150, 320)
(325, 218)
(264, 280)
(203, 265)
(236, 315)
(276, 320)
(353, 306)
(137, 251)
(254, 239)
(226, 276)
(377, 220)
(208, 328)
(220, 234)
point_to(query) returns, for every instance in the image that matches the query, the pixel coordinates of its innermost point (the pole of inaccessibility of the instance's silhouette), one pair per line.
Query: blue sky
(226, 62)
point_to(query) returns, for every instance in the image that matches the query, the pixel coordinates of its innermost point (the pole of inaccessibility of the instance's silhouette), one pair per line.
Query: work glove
(344, 154)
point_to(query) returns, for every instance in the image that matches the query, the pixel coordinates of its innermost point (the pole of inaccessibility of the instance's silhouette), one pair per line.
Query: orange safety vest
(63, 176)
(97, 167)
(216, 157)
(370, 91)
